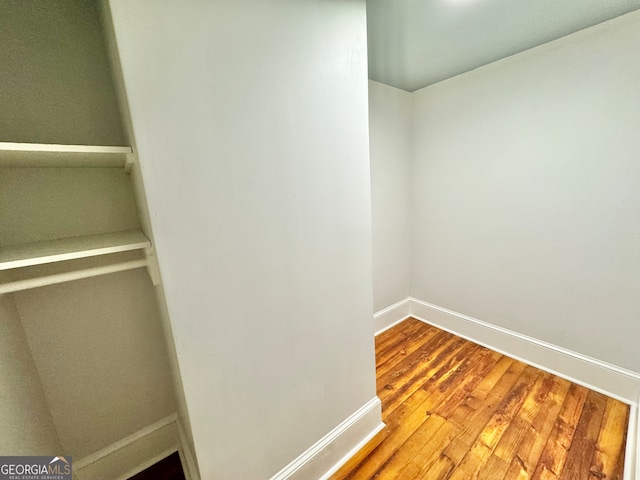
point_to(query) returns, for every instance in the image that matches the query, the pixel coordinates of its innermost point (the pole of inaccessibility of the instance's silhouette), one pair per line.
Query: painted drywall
(187, 446)
(51, 203)
(253, 142)
(98, 346)
(526, 193)
(390, 153)
(55, 84)
(27, 427)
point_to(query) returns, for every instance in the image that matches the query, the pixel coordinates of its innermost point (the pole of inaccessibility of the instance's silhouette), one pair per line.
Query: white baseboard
(631, 459)
(327, 455)
(633, 449)
(392, 315)
(595, 374)
(134, 453)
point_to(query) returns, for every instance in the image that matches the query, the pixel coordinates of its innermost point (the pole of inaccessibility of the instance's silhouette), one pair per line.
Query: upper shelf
(38, 253)
(51, 155)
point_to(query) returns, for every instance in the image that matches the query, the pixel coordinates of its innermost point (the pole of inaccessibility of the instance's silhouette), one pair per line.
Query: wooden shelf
(39, 253)
(52, 155)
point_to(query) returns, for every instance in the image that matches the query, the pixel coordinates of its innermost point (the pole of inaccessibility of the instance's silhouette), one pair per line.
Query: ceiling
(414, 43)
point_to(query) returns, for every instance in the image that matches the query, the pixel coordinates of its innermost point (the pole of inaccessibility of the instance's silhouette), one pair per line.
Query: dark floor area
(168, 468)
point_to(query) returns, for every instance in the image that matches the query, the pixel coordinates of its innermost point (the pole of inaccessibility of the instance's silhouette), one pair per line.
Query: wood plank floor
(456, 410)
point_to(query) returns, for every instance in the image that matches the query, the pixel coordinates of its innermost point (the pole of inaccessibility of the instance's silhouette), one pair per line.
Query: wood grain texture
(456, 410)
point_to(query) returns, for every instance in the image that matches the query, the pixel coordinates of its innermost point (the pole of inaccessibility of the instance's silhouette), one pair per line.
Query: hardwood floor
(456, 410)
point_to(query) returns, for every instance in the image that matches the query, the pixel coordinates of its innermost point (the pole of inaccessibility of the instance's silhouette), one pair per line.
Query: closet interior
(84, 350)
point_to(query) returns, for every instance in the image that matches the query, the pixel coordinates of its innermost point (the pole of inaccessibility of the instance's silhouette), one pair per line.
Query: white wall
(55, 83)
(98, 346)
(251, 125)
(526, 192)
(27, 427)
(49, 203)
(391, 148)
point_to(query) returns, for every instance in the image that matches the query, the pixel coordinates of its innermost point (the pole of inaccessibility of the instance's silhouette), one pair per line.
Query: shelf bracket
(128, 162)
(152, 265)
